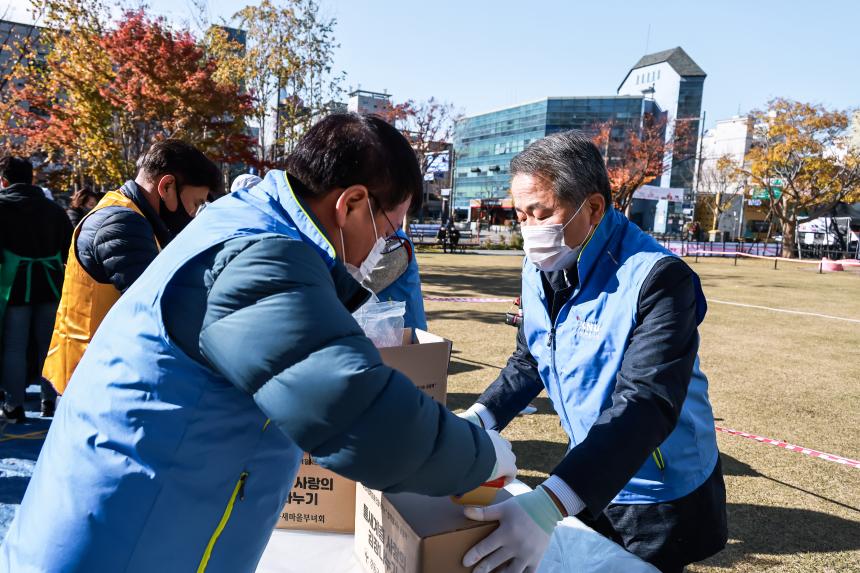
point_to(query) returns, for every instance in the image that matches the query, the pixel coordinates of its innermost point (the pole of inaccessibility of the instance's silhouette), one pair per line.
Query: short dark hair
(16, 170)
(182, 160)
(570, 162)
(346, 149)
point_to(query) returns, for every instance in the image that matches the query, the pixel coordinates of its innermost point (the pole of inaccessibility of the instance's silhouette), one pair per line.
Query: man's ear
(350, 202)
(597, 204)
(166, 186)
(4, 182)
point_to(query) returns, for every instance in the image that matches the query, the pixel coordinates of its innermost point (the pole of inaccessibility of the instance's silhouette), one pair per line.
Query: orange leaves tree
(801, 157)
(637, 156)
(106, 93)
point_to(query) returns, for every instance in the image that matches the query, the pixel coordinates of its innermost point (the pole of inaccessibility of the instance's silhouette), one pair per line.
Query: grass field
(785, 376)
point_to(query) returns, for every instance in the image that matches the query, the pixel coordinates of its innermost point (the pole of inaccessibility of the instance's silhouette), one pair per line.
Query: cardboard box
(320, 499)
(409, 533)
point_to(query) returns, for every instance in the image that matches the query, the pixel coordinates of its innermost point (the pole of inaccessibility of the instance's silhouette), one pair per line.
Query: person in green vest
(35, 235)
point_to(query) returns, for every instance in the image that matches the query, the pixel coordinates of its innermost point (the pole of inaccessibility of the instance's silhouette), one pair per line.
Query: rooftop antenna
(648, 39)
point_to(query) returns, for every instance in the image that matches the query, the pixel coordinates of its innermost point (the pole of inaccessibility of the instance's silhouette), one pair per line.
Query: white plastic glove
(526, 523)
(472, 416)
(506, 460)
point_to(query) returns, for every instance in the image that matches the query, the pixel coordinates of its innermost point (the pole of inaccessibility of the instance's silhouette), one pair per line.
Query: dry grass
(784, 376)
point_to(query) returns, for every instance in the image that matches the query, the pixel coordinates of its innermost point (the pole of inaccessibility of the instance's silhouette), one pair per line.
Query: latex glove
(472, 416)
(506, 460)
(526, 523)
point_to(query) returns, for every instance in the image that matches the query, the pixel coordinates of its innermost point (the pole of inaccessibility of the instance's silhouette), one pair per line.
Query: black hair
(184, 161)
(570, 162)
(16, 170)
(346, 149)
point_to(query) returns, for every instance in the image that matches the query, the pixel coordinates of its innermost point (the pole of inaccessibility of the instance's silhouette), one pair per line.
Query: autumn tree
(635, 156)
(428, 125)
(721, 185)
(802, 160)
(108, 92)
(287, 68)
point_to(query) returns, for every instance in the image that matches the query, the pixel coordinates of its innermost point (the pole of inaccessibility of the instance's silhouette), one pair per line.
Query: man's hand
(506, 460)
(526, 523)
(471, 415)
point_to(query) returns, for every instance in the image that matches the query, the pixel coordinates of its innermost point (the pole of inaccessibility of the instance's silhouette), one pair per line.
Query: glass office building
(485, 144)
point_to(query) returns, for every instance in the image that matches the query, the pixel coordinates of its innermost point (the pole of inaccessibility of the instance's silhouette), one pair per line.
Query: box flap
(424, 360)
(430, 516)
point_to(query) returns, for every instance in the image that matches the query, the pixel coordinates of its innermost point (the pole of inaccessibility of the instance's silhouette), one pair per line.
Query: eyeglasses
(393, 241)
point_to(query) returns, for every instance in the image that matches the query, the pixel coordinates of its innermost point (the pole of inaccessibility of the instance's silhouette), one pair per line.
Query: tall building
(486, 143)
(730, 138)
(676, 83)
(363, 101)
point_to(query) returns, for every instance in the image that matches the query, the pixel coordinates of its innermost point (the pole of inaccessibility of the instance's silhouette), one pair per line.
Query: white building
(363, 101)
(676, 83)
(729, 137)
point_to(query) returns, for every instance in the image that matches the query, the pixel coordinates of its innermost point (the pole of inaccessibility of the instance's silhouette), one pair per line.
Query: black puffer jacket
(115, 244)
(35, 227)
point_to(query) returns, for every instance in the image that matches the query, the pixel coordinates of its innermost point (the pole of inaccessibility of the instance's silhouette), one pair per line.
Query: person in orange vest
(119, 238)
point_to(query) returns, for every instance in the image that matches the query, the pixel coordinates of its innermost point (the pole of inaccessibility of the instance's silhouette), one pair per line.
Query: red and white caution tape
(466, 299)
(843, 262)
(792, 448)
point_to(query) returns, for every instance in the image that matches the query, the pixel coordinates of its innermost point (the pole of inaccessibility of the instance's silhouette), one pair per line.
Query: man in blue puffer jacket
(233, 352)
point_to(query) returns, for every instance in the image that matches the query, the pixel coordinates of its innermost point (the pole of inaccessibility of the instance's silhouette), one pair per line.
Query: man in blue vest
(231, 354)
(610, 332)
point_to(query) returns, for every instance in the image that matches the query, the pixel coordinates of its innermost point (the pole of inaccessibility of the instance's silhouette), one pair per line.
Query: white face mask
(361, 273)
(545, 246)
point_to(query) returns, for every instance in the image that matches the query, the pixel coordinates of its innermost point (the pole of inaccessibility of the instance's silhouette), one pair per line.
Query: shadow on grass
(487, 317)
(501, 282)
(760, 531)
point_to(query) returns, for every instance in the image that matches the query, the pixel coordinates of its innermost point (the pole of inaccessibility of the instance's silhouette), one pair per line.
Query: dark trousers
(19, 325)
(670, 535)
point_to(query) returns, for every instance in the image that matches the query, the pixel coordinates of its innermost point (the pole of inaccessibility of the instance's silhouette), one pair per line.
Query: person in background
(116, 241)
(244, 181)
(610, 331)
(83, 201)
(35, 235)
(233, 353)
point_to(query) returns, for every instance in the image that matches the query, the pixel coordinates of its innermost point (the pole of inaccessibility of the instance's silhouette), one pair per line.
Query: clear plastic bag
(382, 321)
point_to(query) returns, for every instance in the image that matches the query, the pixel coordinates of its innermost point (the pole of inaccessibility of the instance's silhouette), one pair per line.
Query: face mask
(177, 220)
(361, 273)
(545, 247)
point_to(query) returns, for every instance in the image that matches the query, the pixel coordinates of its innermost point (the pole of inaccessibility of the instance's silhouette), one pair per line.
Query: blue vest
(579, 362)
(407, 288)
(154, 461)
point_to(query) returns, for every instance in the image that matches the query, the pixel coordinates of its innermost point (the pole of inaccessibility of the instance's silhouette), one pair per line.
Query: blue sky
(482, 55)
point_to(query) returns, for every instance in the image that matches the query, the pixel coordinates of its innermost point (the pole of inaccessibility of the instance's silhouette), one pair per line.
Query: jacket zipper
(238, 492)
(658, 459)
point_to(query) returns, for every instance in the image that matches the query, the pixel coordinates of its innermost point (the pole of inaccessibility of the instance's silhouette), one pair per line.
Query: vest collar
(598, 244)
(277, 186)
(349, 291)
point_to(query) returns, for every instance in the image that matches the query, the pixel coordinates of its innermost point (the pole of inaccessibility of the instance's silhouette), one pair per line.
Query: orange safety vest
(83, 306)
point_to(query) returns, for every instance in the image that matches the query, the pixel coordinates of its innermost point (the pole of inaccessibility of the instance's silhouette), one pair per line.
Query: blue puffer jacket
(165, 460)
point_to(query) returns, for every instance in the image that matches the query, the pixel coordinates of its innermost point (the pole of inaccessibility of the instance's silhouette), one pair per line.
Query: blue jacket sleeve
(276, 329)
(649, 392)
(518, 384)
(115, 245)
